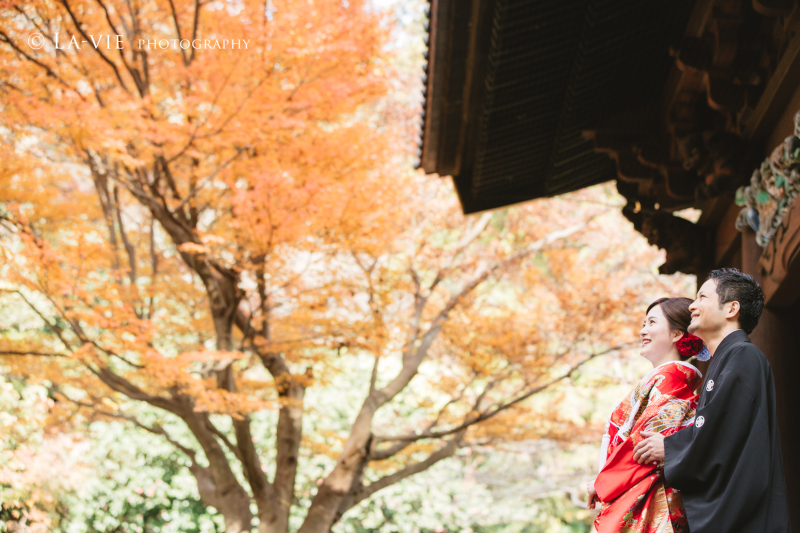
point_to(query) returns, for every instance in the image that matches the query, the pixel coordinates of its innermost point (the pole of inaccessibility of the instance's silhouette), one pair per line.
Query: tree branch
(467, 238)
(121, 415)
(178, 31)
(55, 328)
(207, 180)
(263, 491)
(79, 27)
(221, 436)
(411, 361)
(119, 384)
(6, 39)
(442, 453)
(36, 354)
(489, 414)
(129, 249)
(380, 455)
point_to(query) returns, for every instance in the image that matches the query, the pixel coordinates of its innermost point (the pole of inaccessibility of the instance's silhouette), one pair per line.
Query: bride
(634, 497)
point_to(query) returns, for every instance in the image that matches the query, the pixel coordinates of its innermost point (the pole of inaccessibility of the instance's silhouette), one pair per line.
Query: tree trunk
(223, 491)
(289, 434)
(322, 513)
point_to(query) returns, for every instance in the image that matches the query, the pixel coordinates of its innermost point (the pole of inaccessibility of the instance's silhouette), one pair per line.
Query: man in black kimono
(728, 464)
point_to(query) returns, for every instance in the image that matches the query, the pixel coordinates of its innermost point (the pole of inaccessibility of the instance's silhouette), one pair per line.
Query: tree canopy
(216, 232)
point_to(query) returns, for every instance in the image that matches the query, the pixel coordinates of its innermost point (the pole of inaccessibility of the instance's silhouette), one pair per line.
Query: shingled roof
(511, 85)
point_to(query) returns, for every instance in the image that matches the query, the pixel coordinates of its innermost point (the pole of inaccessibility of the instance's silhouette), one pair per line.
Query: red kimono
(635, 497)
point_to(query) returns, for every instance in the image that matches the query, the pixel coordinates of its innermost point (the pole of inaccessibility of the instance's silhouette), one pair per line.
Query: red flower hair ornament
(689, 345)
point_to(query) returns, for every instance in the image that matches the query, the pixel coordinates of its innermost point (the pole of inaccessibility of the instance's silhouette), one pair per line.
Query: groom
(728, 464)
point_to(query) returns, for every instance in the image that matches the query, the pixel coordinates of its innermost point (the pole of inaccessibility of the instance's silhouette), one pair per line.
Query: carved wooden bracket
(780, 262)
(773, 188)
(688, 246)
(677, 172)
(687, 147)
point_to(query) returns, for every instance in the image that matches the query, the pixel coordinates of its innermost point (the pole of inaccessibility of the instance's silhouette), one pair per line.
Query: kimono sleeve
(620, 473)
(700, 457)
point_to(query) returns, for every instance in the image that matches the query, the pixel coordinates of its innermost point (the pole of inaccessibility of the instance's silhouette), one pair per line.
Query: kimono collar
(731, 338)
(682, 363)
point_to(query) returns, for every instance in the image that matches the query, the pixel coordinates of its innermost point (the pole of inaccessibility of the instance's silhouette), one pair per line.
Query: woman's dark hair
(677, 312)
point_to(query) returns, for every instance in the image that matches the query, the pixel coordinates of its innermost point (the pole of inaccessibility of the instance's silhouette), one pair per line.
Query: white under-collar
(684, 363)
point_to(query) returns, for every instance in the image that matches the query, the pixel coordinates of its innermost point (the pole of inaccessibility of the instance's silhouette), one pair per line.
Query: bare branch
(221, 436)
(263, 491)
(208, 180)
(467, 238)
(6, 39)
(178, 31)
(374, 376)
(380, 455)
(79, 27)
(195, 26)
(129, 249)
(36, 354)
(55, 328)
(119, 384)
(412, 359)
(121, 415)
(442, 453)
(502, 407)
(161, 431)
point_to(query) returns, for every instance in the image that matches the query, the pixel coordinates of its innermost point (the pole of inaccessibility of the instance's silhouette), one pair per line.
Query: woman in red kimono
(634, 497)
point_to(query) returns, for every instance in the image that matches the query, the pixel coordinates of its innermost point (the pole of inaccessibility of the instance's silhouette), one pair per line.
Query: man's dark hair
(735, 286)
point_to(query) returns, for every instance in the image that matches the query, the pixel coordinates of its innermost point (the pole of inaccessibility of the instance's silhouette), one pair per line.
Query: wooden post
(778, 336)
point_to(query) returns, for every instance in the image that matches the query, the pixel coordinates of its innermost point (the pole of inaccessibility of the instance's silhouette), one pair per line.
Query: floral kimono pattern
(635, 498)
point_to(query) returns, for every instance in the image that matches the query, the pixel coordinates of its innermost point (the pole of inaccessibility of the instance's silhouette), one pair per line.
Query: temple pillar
(778, 336)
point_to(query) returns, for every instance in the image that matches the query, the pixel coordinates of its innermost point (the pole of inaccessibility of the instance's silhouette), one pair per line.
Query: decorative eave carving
(780, 262)
(688, 246)
(688, 147)
(772, 190)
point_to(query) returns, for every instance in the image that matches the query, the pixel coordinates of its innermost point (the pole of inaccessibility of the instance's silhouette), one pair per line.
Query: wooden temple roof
(679, 102)
(511, 85)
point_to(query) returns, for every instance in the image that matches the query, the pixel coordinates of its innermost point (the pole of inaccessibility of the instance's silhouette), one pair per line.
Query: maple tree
(210, 231)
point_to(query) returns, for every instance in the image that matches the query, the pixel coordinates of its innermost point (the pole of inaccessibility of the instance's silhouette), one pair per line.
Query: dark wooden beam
(727, 239)
(474, 92)
(779, 90)
(448, 63)
(773, 8)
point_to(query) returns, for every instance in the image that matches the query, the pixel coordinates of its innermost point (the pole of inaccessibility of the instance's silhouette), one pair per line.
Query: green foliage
(139, 485)
(124, 480)
(461, 496)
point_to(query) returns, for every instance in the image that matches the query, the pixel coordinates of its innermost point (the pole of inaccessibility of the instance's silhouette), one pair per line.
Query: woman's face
(655, 336)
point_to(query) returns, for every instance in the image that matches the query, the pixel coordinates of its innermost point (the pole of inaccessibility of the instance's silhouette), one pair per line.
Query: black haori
(728, 465)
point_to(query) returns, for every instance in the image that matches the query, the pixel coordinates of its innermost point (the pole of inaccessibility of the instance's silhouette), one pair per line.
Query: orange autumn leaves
(216, 231)
(264, 152)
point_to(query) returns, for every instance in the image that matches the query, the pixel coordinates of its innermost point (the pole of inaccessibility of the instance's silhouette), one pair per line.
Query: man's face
(707, 316)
